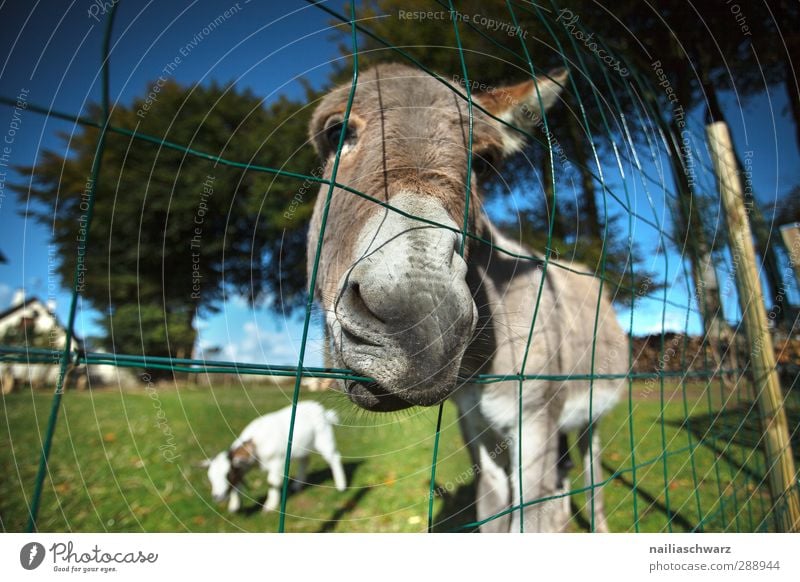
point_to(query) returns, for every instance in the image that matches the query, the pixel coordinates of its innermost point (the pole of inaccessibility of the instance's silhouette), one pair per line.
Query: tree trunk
(584, 163)
(691, 233)
(547, 183)
(792, 79)
(718, 335)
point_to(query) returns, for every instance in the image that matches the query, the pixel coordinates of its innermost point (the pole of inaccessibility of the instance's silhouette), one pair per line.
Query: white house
(30, 322)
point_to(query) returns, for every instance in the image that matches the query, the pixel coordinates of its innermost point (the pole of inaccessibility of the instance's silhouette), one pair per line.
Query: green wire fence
(739, 504)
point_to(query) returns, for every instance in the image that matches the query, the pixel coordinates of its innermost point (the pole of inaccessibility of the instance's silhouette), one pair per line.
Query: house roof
(27, 302)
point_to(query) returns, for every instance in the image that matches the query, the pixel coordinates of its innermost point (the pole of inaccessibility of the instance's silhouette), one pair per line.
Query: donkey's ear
(521, 105)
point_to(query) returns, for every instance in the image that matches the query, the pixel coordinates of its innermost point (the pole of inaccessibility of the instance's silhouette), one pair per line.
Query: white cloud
(258, 345)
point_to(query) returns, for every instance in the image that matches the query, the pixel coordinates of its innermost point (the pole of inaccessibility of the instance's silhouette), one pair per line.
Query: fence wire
(735, 506)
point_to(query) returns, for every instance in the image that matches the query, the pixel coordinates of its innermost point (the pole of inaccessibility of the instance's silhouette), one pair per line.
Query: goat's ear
(244, 454)
(521, 105)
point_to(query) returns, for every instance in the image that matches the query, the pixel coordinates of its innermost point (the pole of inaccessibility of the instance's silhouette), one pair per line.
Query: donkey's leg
(565, 465)
(592, 463)
(493, 490)
(489, 456)
(467, 399)
(540, 476)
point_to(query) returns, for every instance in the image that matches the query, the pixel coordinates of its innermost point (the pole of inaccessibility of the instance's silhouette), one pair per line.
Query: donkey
(405, 307)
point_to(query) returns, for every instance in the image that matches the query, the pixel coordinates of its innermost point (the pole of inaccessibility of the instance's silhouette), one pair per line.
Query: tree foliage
(173, 233)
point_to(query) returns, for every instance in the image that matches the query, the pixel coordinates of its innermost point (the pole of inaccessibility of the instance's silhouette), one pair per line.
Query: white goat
(263, 442)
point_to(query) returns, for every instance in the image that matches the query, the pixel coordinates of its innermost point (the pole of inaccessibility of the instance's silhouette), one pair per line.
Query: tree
(769, 54)
(172, 233)
(744, 47)
(787, 209)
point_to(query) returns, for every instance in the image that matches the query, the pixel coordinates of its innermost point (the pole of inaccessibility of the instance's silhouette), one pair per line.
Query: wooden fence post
(780, 463)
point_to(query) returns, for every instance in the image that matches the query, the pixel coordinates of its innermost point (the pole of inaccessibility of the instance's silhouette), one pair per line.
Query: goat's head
(398, 308)
(227, 469)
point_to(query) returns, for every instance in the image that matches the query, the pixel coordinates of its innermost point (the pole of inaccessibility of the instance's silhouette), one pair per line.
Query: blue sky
(52, 51)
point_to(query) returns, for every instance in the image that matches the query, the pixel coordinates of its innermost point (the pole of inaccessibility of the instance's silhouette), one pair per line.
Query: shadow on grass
(652, 502)
(741, 426)
(735, 435)
(314, 478)
(718, 432)
(581, 523)
(348, 506)
(458, 509)
(737, 431)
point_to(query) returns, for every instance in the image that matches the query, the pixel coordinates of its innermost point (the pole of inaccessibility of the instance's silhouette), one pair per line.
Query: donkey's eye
(333, 134)
(483, 165)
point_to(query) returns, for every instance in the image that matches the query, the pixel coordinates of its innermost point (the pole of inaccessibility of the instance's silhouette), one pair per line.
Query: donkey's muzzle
(404, 316)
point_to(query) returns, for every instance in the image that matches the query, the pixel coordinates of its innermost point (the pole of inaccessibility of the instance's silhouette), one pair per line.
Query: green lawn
(711, 477)
(118, 464)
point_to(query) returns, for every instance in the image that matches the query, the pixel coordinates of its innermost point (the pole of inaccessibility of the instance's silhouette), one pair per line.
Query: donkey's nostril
(455, 250)
(355, 338)
(356, 305)
(360, 325)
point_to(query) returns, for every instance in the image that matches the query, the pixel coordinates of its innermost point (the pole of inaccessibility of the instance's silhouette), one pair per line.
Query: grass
(126, 461)
(705, 472)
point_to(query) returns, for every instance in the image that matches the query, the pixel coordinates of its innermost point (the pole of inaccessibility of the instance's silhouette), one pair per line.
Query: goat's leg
(592, 466)
(275, 482)
(339, 478)
(273, 499)
(300, 477)
(540, 476)
(325, 445)
(234, 501)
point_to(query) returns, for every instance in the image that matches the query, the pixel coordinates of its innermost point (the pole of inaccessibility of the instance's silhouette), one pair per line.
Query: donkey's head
(398, 308)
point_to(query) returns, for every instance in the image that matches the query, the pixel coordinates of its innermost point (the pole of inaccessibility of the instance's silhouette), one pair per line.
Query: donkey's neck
(491, 275)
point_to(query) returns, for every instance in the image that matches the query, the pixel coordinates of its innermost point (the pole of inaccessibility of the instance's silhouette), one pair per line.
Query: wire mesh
(739, 504)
